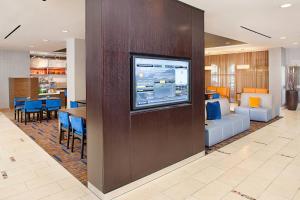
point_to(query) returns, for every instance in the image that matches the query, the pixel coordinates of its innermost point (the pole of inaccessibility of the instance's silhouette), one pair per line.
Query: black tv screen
(158, 81)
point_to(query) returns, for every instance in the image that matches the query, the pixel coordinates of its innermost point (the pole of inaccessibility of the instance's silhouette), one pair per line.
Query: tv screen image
(159, 82)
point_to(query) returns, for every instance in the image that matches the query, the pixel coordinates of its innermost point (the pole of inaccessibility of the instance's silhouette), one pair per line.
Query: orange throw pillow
(254, 102)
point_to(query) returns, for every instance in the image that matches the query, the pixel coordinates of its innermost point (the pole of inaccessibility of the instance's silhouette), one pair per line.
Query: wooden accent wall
(124, 146)
(255, 77)
(22, 87)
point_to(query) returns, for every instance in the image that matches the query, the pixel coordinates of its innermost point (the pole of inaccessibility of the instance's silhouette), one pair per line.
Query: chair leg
(25, 118)
(15, 114)
(82, 147)
(68, 139)
(21, 117)
(60, 135)
(41, 116)
(73, 138)
(18, 115)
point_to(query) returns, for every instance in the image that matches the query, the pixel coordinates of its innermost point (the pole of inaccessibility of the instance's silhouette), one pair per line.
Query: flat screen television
(159, 81)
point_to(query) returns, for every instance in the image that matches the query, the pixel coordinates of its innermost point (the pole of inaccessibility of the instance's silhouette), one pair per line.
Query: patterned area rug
(46, 135)
(254, 126)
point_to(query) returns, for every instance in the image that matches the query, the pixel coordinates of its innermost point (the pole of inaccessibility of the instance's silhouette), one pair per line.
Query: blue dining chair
(73, 104)
(52, 105)
(19, 103)
(32, 106)
(64, 127)
(78, 132)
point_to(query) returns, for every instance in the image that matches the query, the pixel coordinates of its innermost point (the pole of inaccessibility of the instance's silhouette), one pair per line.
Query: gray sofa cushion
(261, 114)
(230, 125)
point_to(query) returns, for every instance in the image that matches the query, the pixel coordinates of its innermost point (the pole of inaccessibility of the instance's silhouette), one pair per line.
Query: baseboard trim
(127, 188)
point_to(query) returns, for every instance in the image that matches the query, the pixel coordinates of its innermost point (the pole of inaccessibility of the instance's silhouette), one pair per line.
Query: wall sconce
(208, 68)
(243, 66)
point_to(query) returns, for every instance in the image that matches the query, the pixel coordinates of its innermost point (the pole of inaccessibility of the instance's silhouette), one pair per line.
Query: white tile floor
(264, 166)
(34, 174)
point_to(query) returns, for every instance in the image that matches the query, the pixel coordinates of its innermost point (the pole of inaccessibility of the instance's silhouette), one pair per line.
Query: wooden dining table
(77, 112)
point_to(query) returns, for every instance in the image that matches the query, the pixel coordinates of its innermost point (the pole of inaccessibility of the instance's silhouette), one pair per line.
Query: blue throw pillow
(213, 110)
(216, 96)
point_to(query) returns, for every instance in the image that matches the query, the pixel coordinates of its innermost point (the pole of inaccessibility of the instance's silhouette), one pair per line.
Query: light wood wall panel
(22, 87)
(257, 76)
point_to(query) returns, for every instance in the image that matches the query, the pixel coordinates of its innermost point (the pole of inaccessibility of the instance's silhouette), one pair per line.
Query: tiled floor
(27, 172)
(264, 165)
(46, 135)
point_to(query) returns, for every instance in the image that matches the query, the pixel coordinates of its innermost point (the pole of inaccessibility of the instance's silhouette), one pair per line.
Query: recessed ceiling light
(45, 40)
(295, 43)
(286, 5)
(65, 31)
(283, 38)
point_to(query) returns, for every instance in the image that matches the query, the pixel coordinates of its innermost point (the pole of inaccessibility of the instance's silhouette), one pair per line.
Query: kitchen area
(51, 71)
(47, 78)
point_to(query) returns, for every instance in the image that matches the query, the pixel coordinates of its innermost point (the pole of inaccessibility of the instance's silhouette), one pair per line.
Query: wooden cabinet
(22, 87)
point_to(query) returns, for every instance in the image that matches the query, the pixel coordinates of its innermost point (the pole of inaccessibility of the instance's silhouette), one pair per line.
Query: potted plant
(292, 98)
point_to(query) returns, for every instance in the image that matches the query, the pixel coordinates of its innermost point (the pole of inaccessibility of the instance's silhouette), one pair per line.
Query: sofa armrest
(242, 110)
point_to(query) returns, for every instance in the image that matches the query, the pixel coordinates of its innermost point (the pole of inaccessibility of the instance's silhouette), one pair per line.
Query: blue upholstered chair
(19, 103)
(35, 107)
(78, 131)
(52, 105)
(64, 126)
(73, 104)
(216, 96)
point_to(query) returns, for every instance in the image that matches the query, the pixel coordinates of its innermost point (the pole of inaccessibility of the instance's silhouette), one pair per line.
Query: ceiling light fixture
(286, 5)
(295, 43)
(45, 40)
(283, 38)
(65, 31)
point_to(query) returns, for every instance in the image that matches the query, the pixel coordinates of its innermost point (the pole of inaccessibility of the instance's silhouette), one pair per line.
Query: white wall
(276, 73)
(76, 78)
(292, 56)
(12, 64)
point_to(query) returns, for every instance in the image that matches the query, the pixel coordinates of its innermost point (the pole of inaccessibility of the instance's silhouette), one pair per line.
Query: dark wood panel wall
(124, 146)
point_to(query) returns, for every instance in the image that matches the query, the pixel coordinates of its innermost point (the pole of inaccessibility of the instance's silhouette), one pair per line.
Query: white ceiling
(41, 20)
(45, 20)
(224, 18)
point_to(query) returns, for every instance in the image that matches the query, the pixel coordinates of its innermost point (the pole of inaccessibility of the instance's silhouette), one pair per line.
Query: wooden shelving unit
(48, 71)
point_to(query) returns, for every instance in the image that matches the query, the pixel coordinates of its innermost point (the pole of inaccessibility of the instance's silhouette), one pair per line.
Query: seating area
(264, 111)
(27, 110)
(36, 108)
(254, 106)
(229, 125)
(256, 90)
(223, 91)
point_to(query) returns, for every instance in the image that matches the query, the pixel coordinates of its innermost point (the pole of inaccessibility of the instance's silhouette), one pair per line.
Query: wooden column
(124, 146)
